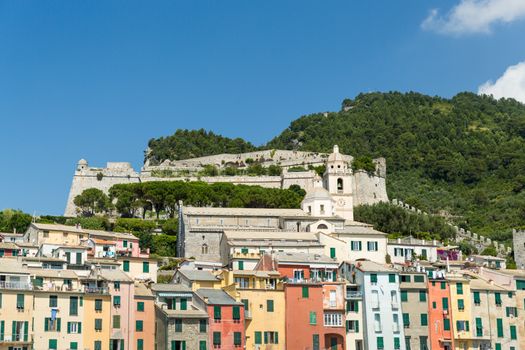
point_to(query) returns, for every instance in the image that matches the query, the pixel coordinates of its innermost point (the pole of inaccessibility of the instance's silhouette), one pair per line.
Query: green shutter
(140, 344)
(276, 337)
(202, 326)
(313, 317)
(139, 326)
(446, 324)
(499, 324)
(497, 298)
(380, 343)
(479, 327)
(498, 346)
(184, 304)
(2, 329)
(116, 321)
(202, 345)
(79, 327)
(116, 300)
(424, 319)
(269, 305)
(397, 343)
(404, 295)
(419, 278)
(265, 337)
(237, 338)
(422, 295)
(20, 301)
(477, 299)
(513, 334)
(26, 330)
(98, 345)
(69, 328)
(216, 338)
(140, 306)
(258, 338)
(443, 285)
(53, 344)
(178, 325)
(145, 267)
(391, 278)
(241, 265)
(125, 265)
(236, 313)
(461, 304)
(356, 326)
(459, 288)
(217, 312)
(46, 324)
(98, 304)
(13, 329)
(332, 253)
(73, 345)
(373, 278)
(315, 341)
(406, 320)
(305, 291)
(73, 306)
(444, 301)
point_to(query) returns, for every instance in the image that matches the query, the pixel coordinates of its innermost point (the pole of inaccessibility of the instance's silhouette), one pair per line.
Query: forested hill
(465, 155)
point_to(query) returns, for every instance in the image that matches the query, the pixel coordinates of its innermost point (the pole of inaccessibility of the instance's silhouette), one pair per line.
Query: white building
(410, 248)
(382, 315)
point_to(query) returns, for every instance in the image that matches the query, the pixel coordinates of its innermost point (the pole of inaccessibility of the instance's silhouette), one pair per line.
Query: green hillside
(465, 155)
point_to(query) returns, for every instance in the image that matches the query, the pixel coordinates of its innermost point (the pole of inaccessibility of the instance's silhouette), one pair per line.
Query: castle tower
(338, 180)
(82, 165)
(318, 201)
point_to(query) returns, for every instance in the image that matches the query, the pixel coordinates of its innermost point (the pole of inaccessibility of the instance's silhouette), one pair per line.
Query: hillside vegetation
(465, 155)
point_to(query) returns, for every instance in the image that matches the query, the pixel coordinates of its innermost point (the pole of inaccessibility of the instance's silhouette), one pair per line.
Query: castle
(338, 190)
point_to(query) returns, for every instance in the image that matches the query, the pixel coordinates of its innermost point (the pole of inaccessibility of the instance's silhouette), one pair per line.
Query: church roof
(335, 156)
(318, 193)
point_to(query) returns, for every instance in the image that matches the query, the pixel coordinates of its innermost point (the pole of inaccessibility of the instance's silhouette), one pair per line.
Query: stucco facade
(96, 328)
(414, 303)
(440, 317)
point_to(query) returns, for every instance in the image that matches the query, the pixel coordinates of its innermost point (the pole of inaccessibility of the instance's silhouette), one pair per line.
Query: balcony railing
(96, 290)
(15, 338)
(354, 295)
(15, 285)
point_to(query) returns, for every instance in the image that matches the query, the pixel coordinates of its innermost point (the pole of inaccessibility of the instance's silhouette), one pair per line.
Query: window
(217, 313)
(98, 305)
(380, 343)
(203, 325)
(204, 249)
(258, 338)
(434, 305)
(116, 321)
(332, 253)
(372, 246)
(140, 306)
(46, 234)
(125, 243)
(404, 295)
(511, 311)
(73, 306)
(391, 278)
(321, 208)
(313, 318)
(352, 326)
(422, 295)
(393, 299)
(461, 305)
(315, 341)
(333, 298)
(73, 345)
(52, 325)
(74, 327)
(424, 319)
(333, 320)
(98, 345)
(419, 278)
(53, 301)
(459, 288)
(184, 304)
(240, 263)
(139, 325)
(116, 285)
(242, 282)
(444, 302)
(305, 292)
(373, 278)
(513, 334)
(395, 320)
(140, 344)
(446, 324)
(377, 322)
(397, 343)
(269, 305)
(355, 245)
(406, 320)
(236, 313)
(237, 341)
(423, 343)
(145, 267)
(20, 301)
(462, 326)
(125, 265)
(443, 285)
(352, 305)
(98, 324)
(479, 327)
(405, 278)
(477, 299)
(499, 327)
(178, 325)
(271, 338)
(407, 343)
(497, 298)
(217, 339)
(116, 301)
(53, 344)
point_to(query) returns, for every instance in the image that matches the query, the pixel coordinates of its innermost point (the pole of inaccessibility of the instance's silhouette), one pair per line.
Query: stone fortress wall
(367, 188)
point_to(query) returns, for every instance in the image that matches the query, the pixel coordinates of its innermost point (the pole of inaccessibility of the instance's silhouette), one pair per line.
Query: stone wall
(518, 240)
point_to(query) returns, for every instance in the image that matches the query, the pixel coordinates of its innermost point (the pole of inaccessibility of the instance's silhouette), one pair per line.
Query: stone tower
(518, 242)
(338, 181)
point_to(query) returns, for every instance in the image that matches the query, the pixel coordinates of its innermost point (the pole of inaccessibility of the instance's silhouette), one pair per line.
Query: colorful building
(460, 310)
(142, 310)
(440, 318)
(414, 304)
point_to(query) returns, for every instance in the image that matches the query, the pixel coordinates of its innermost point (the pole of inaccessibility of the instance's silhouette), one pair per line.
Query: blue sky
(98, 79)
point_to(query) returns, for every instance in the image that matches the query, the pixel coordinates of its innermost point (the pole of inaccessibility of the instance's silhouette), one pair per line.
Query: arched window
(340, 185)
(204, 249)
(322, 227)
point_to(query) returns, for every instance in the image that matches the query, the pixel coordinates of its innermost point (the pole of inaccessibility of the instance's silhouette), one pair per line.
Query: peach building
(143, 310)
(440, 318)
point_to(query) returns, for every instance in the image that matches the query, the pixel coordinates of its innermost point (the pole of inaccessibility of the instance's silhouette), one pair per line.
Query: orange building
(313, 322)
(440, 318)
(144, 311)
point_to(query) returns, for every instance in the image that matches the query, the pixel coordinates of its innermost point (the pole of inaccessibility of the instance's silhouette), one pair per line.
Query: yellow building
(54, 234)
(97, 316)
(461, 311)
(263, 297)
(16, 305)
(197, 279)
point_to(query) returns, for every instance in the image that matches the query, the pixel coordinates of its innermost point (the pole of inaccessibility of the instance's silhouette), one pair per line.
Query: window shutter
(513, 332)
(497, 297)
(58, 324)
(173, 345)
(373, 278)
(258, 338)
(356, 326)
(236, 313)
(184, 304)
(2, 326)
(499, 323)
(392, 278)
(79, 327)
(26, 330)
(217, 312)
(461, 304)
(216, 338)
(397, 343)
(13, 330)
(360, 245)
(422, 295)
(459, 288)
(46, 324)
(69, 328)
(404, 295)
(202, 345)
(446, 324)
(305, 291)
(445, 303)
(477, 299)
(479, 327)
(406, 320)
(265, 337)
(380, 343)
(332, 253)
(467, 326)
(269, 305)
(182, 343)
(145, 267)
(276, 337)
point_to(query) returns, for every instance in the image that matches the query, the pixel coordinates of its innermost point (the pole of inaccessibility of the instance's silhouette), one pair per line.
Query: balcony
(248, 314)
(354, 295)
(15, 339)
(96, 290)
(15, 285)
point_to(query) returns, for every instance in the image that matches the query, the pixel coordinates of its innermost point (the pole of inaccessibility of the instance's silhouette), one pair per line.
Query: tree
(14, 220)
(490, 250)
(92, 201)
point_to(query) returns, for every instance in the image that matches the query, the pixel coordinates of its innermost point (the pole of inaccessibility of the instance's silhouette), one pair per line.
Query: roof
(487, 257)
(257, 273)
(12, 265)
(284, 257)
(142, 290)
(198, 275)
(170, 287)
(266, 212)
(190, 313)
(481, 284)
(102, 261)
(8, 245)
(370, 266)
(115, 275)
(216, 297)
(103, 241)
(270, 235)
(43, 259)
(51, 273)
(413, 241)
(317, 193)
(112, 234)
(27, 245)
(357, 228)
(58, 227)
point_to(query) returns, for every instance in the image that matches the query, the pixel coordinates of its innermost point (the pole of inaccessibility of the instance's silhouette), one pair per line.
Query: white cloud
(510, 84)
(475, 16)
